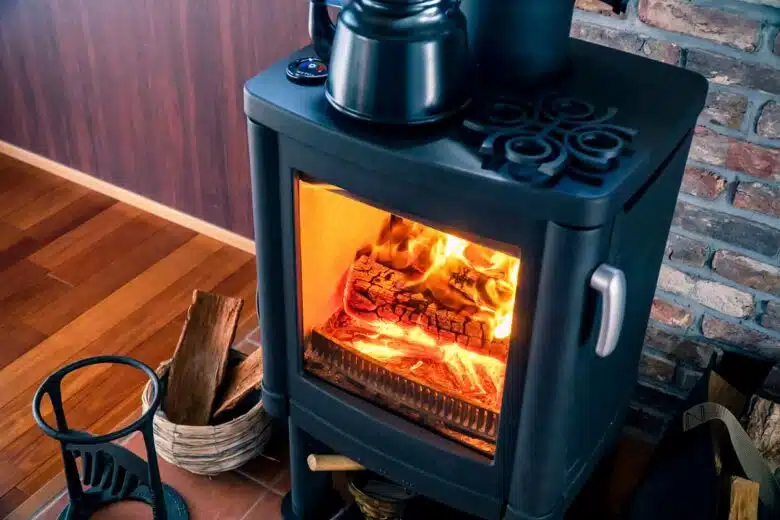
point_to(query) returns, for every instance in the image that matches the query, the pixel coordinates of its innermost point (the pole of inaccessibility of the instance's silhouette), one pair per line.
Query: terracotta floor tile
(227, 496)
(268, 508)
(271, 468)
(124, 511)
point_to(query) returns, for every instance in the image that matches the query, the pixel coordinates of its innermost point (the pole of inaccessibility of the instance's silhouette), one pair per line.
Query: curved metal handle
(610, 282)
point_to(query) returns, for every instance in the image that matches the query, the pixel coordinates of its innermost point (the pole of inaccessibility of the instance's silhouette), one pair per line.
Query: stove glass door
(404, 315)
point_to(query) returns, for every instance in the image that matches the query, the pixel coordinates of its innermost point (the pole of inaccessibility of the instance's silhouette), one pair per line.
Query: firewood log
(376, 293)
(200, 359)
(245, 377)
(744, 499)
(763, 427)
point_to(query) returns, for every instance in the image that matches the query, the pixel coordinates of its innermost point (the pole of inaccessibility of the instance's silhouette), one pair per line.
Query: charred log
(376, 293)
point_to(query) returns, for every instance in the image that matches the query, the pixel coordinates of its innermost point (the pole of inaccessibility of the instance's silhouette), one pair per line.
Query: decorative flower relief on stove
(542, 141)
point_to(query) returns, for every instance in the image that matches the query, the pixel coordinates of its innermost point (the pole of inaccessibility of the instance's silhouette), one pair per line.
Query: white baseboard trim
(128, 197)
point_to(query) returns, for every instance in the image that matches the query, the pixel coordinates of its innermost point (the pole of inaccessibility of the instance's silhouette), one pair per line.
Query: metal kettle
(394, 61)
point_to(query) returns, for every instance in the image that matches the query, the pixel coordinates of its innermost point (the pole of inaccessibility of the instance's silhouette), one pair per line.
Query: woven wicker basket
(209, 450)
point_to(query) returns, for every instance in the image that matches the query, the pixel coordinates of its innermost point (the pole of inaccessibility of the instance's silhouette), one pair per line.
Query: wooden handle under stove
(332, 463)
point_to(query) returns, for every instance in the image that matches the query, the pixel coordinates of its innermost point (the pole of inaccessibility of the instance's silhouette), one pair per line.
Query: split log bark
(378, 293)
(240, 381)
(763, 427)
(744, 499)
(198, 364)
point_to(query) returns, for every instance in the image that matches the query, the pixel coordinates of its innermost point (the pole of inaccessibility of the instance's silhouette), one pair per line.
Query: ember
(433, 308)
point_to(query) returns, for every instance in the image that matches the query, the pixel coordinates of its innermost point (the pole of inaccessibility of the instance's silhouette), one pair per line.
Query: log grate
(434, 407)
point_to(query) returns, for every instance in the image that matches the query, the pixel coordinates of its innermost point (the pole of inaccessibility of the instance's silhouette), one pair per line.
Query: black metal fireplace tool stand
(112, 472)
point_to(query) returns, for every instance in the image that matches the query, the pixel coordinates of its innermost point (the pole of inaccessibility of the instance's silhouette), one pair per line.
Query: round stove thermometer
(307, 71)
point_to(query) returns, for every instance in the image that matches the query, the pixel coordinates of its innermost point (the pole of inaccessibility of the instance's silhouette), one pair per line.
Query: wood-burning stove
(461, 308)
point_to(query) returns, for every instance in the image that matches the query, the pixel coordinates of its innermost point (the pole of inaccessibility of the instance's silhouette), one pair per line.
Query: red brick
(747, 271)
(739, 336)
(769, 121)
(622, 40)
(724, 108)
(666, 52)
(771, 317)
(753, 159)
(670, 314)
(683, 16)
(657, 396)
(729, 71)
(596, 6)
(679, 346)
(714, 295)
(733, 229)
(686, 250)
(657, 366)
(652, 423)
(709, 146)
(703, 183)
(687, 378)
(755, 196)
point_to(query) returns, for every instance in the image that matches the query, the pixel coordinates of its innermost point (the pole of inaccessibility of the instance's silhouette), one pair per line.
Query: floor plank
(107, 250)
(9, 235)
(43, 207)
(69, 218)
(59, 312)
(55, 350)
(83, 237)
(25, 190)
(17, 339)
(11, 500)
(20, 275)
(83, 275)
(26, 446)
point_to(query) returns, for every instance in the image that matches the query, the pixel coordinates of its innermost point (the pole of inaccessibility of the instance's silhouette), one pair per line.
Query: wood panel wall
(145, 94)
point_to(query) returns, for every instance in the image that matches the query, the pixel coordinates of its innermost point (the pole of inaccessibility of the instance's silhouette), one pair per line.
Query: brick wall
(719, 287)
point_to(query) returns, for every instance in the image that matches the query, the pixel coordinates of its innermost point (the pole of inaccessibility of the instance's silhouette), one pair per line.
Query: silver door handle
(610, 282)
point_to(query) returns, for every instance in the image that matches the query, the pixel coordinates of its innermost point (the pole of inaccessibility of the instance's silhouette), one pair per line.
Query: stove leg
(309, 489)
(511, 514)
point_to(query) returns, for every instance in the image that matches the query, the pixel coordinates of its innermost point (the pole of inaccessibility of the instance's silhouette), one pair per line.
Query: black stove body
(578, 182)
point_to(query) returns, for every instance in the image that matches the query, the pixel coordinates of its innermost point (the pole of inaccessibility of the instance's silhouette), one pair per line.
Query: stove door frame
(349, 424)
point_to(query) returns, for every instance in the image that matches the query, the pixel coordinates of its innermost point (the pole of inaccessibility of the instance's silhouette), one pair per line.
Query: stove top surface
(579, 150)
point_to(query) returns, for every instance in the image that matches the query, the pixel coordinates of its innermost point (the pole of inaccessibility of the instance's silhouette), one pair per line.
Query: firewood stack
(213, 420)
(199, 368)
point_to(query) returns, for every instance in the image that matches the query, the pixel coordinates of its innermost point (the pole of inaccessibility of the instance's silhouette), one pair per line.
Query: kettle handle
(321, 27)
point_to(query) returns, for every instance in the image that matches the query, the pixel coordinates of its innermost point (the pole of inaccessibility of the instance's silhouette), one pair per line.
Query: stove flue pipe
(520, 43)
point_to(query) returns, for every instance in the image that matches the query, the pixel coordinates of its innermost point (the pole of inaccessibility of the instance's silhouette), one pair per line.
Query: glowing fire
(435, 307)
(433, 258)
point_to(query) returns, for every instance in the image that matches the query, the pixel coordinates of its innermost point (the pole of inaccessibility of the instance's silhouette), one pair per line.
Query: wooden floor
(81, 275)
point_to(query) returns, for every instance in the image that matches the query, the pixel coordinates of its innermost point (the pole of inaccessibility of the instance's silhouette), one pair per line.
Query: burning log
(376, 294)
(453, 369)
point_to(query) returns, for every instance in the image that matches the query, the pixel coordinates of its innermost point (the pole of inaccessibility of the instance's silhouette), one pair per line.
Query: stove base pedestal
(329, 508)
(311, 491)
(515, 515)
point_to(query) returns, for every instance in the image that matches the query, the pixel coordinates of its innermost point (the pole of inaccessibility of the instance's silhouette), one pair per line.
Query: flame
(462, 277)
(433, 258)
